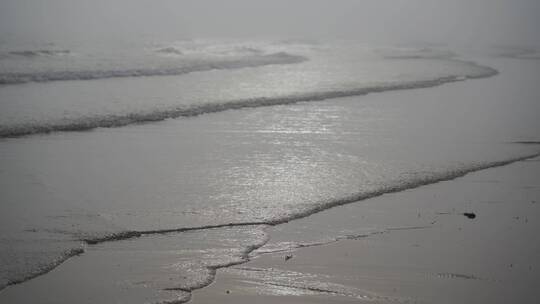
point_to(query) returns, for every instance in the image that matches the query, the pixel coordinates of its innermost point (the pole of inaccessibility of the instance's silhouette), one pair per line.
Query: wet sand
(413, 245)
(417, 247)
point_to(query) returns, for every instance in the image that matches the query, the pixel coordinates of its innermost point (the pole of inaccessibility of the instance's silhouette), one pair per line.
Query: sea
(181, 153)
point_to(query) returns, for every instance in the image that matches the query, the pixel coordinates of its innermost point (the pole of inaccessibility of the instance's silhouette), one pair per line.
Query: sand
(414, 246)
(418, 247)
(406, 247)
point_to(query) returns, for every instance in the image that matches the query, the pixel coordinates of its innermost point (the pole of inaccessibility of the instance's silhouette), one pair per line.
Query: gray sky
(454, 21)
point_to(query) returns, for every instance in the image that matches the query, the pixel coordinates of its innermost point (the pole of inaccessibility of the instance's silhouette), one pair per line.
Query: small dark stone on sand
(470, 215)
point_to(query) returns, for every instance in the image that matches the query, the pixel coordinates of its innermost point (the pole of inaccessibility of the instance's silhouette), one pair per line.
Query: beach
(241, 151)
(410, 247)
(417, 183)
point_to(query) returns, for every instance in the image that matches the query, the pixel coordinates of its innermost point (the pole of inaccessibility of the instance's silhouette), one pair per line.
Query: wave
(119, 120)
(231, 51)
(201, 66)
(423, 53)
(45, 268)
(528, 142)
(134, 234)
(399, 186)
(170, 50)
(43, 52)
(245, 254)
(518, 52)
(293, 41)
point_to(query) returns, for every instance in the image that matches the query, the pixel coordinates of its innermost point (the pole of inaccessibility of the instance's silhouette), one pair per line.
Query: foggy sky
(449, 21)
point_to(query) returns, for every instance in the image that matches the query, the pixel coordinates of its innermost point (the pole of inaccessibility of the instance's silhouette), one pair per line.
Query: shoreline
(251, 256)
(126, 235)
(105, 249)
(429, 257)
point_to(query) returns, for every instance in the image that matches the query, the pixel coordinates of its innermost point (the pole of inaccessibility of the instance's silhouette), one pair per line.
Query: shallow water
(249, 164)
(286, 74)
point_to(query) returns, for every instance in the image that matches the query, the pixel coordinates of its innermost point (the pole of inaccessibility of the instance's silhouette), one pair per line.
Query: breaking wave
(43, 269)
(416, 53)
(119, 120)
(35, 53)
(518, 52)
(391, 187)
(245, 254)
(199, 66)
(170, 50)
(223, 50)
(209, 270)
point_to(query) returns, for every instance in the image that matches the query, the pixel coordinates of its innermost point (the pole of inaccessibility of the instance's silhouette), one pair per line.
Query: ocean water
(184, 152)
